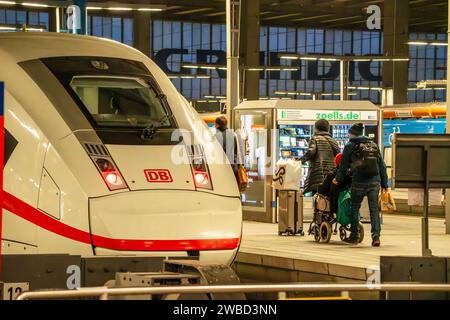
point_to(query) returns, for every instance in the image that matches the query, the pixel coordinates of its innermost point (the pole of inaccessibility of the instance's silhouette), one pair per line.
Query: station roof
(425, 15)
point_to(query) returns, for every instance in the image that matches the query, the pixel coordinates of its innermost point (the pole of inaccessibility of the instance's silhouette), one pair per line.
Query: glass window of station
(178, 43)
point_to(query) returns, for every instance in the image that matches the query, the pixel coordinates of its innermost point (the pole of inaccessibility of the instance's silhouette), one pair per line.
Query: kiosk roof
(307, 104)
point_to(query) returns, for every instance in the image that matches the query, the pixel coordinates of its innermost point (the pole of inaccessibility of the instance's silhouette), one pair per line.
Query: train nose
(153, 167)
(165, 220)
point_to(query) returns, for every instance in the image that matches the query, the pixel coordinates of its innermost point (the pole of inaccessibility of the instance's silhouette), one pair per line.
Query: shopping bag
(287, 175)
(344, 214)
(242, 178)
(387, 203)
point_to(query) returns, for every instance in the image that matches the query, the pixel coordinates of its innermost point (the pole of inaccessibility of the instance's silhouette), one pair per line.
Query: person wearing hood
(362, 157)
(322, 150)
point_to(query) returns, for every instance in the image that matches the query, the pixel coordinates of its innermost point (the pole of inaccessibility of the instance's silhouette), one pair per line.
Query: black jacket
(321, 152)
(347, 161)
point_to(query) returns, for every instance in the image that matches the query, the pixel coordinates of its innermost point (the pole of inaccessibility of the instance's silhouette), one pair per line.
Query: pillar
(53, 19)
(396, 36)
(142, 33)
(249, 37)
(233, 82)
(447, 197)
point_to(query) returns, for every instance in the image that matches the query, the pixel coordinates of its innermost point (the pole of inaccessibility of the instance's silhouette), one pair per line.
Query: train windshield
(116, 101)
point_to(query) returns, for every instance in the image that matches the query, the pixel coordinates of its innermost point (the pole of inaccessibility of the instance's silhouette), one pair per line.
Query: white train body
(80, 177)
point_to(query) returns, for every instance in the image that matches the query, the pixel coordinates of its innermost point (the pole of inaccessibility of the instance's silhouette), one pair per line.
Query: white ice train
(89, 156)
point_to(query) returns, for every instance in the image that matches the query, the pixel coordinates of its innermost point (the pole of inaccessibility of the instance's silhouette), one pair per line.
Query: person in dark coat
(228, 140)
(362, 185)
(321, 152)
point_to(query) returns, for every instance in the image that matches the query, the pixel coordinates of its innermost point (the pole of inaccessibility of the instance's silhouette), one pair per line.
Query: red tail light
(110, 174)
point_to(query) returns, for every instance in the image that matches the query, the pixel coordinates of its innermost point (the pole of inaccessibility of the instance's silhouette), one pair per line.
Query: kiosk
(275, 129)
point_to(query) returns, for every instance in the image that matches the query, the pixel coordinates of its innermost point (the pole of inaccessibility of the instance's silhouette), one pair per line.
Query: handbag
(387, 203)
(242, 178)
(241, 174)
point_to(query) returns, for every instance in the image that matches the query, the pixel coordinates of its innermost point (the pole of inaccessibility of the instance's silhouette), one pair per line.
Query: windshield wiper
(149, 131)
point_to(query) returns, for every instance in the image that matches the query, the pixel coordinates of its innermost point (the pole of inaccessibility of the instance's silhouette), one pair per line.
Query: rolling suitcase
(290, 214)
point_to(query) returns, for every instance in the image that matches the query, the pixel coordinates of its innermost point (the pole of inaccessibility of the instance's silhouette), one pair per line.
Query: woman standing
(321, 152)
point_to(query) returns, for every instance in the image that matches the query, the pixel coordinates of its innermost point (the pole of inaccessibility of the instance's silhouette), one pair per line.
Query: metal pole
(232, 27)
(344, 80)
(286, 287)
(447, 195)
(426, 252)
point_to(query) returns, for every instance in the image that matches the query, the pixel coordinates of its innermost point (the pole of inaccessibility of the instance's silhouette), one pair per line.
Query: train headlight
(113, 178)
(110, 174)
(200, 169)
(201, 178)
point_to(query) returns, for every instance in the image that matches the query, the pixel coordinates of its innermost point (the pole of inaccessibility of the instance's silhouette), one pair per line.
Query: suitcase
(290, 213)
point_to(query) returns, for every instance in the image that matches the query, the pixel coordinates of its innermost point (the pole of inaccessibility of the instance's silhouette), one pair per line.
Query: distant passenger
(321, 152)
(228, 139)
(362, 156)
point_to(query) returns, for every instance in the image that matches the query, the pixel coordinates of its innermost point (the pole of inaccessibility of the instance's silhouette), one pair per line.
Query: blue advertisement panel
(416, 126)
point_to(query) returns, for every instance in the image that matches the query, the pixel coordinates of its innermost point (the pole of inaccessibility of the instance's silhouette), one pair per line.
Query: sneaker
(376, 242)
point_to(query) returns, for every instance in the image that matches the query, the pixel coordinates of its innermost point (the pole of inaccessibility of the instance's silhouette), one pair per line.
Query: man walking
(322, 150)
(362, 157)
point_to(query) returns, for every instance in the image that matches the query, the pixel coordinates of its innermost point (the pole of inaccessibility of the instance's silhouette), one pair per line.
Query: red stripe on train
(31, 214)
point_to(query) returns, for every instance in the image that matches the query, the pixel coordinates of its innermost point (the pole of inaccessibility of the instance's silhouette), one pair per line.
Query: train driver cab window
(121, 101)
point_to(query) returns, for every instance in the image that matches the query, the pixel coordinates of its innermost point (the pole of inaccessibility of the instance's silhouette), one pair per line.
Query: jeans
(359, 190)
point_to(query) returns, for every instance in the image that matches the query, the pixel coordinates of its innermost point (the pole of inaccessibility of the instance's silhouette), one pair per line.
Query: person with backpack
(363, 158)
(322, 150)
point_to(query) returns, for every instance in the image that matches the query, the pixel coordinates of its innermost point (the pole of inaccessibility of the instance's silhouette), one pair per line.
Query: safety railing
(104, 292)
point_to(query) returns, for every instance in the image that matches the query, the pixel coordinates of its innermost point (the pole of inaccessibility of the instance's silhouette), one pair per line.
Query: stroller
(325, 223)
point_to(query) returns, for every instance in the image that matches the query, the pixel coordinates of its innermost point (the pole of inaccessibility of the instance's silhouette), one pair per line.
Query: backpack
(366, 159)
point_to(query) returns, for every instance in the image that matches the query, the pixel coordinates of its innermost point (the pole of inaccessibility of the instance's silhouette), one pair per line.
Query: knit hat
(338, 159)
(322, 125)
(357, 129)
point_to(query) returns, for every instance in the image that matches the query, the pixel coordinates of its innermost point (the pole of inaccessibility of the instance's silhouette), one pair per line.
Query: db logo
(158, 175)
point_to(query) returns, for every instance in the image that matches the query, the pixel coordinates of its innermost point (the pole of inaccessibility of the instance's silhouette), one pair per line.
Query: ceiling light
(289, 57)
(328, 59)
(150, 9)
(443, 44)
(119, 9)
(94, 8)
(30, 4)
(8, 2)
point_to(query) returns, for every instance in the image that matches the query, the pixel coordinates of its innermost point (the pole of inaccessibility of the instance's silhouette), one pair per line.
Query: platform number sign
(10, 291)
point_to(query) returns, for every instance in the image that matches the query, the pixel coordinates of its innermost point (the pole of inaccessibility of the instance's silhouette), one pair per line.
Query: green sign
(339, 115)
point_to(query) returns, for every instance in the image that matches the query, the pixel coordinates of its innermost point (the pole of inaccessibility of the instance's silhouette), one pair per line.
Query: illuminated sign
(330, 115)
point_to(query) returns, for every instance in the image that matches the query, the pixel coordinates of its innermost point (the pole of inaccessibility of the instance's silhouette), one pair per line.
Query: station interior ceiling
(424, 15)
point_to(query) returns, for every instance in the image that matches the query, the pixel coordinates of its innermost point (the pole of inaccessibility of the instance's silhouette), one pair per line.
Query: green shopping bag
(343, 214)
